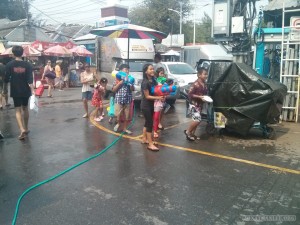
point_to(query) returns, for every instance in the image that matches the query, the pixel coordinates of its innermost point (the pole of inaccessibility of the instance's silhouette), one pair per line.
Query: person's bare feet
(152, 148)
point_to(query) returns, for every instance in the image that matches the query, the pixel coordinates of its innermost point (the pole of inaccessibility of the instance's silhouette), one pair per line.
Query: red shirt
(197, 88)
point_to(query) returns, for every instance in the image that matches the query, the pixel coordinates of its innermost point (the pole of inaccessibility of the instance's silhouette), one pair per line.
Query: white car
(136, 70)
(180, 71)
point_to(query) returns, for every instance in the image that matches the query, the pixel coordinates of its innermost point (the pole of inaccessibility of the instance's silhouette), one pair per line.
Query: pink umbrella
(58, 50)
(81, 51)
(28, 52)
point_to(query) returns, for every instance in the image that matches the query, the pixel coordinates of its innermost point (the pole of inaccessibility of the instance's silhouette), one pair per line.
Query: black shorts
(148, 115)
(20, 101)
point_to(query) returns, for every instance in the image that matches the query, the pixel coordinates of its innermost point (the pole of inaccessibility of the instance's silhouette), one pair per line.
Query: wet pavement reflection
(184, 183)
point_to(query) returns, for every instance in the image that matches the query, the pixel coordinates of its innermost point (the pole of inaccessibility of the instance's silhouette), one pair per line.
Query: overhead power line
(44, 14)
(58, 11)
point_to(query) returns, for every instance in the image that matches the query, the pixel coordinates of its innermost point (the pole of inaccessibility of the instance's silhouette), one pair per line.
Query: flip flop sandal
(189, 137)
(155, 135)
(196, 137)
(144, 143)
(22, 136)
(161, 128)
(153, 149)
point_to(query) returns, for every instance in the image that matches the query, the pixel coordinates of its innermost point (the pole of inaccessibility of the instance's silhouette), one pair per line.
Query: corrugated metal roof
(8, 26)
(278, 4)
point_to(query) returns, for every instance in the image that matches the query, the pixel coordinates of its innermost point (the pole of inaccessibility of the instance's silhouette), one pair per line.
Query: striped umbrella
(129, 31)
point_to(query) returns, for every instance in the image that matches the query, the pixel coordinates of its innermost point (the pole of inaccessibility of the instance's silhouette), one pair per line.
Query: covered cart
(245, 98)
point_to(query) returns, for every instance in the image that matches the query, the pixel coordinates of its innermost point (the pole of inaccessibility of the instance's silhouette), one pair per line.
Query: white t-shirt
(86, 76)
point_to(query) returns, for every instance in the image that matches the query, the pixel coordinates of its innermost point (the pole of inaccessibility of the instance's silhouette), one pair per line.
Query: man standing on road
(19, 73)
(59, 75)
(3, 87)
(123, 99)
(196, 93)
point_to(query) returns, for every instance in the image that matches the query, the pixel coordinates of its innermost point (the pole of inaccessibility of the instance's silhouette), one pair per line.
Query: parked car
(136, 70)
(182, 72)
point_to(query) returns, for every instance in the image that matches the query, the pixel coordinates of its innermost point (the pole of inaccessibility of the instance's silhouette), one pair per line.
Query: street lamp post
(180, 15)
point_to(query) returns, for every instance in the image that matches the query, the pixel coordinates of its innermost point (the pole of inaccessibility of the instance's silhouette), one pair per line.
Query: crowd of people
(19, 74)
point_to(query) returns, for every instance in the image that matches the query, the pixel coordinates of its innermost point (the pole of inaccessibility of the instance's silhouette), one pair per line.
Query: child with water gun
(162, 89)
(97, 99)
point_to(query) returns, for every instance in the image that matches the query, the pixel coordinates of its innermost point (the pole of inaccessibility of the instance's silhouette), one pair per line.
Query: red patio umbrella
(58, 50)
(81, 51)
(28, 52)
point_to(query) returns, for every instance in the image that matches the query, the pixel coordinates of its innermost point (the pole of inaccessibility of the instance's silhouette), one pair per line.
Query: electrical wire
(67, 170)
(61, 17)
(76, 12)
(52, 2)
(45, 14)
(62, 10)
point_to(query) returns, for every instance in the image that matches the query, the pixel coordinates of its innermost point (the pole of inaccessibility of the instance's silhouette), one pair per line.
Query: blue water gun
(162, 90)
(128, 80)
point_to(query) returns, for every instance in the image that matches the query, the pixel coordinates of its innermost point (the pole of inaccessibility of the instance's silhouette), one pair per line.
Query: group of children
(159, 105)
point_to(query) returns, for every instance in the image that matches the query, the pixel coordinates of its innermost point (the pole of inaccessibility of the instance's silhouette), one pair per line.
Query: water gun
(129, 80)
(165, 89)
(161, 80)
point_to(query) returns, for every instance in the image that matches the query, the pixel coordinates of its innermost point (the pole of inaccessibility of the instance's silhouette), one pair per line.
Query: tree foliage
(13, 9)
(203, 31)
(155, 14)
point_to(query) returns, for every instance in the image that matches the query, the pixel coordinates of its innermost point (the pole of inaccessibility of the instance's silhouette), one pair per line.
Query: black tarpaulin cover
(243, 96)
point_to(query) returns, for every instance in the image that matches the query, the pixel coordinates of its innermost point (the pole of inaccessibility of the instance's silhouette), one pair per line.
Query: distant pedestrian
(196, 93)
(157, 61)
(50, 81)
(123, 99)
(66, 73)
(147, 104)
(59, 75)
(20, 75)
(98, 97)
(3, 88)
(87, 78)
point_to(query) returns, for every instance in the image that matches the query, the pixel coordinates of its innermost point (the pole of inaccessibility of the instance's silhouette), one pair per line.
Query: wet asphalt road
(183, 183)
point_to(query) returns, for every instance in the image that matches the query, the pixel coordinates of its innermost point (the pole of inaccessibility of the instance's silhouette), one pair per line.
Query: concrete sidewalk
(67, 95)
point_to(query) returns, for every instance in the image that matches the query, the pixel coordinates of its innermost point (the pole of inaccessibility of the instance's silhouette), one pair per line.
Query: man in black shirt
(19, 73)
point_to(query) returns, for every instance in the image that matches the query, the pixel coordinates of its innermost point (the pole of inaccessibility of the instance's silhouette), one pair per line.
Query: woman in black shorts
(147, 104)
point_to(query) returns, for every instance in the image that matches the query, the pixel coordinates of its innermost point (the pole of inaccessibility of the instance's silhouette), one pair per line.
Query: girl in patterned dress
(97, 99)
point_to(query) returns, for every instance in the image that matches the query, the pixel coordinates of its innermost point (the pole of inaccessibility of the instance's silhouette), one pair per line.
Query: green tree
(203, 30)
(13, 9)
(155, 14)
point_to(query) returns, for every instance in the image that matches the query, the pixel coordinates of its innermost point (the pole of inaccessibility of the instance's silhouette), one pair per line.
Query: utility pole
(26, 4)
(180, 17)
(29, 31)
